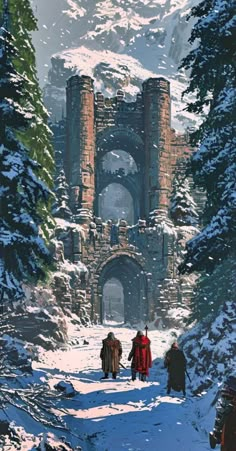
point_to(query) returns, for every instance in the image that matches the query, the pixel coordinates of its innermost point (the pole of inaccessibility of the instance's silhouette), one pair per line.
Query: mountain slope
(153, 33)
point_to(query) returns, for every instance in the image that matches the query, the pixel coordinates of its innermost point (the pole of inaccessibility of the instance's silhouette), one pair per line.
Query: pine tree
(38, 137)
(182, 206)
(213, 81)
(61, 207)
(22, 250)
(213, 290)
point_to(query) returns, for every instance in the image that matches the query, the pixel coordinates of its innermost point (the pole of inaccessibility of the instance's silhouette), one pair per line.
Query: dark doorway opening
(132, 280)
(113, 302)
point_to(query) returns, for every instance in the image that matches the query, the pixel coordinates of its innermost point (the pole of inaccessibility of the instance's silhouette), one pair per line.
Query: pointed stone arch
(121, 138)
(129, 269)
(116, 201)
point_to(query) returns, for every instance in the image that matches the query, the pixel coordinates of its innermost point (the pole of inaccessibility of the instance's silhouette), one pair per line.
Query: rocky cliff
(118, 42)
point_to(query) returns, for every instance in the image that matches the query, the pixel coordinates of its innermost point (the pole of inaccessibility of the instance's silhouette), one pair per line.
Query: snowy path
(123, 415)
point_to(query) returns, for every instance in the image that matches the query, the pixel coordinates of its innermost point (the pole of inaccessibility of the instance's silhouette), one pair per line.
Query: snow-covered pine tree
(22, 250)
(38, 137)
(210, 350)
(183, 210)
(61, 207)
(213, 81)
(212, 290)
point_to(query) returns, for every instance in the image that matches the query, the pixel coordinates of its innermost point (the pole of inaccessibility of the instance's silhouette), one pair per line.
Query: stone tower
(156, 100)
(142, 255)
(80, 145)
(96, 126)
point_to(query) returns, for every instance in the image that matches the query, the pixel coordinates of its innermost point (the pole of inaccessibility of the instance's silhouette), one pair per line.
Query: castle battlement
(142, 256)
(97, 125)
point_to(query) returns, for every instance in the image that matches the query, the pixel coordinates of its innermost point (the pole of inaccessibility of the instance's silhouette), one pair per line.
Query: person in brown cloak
(110, 354)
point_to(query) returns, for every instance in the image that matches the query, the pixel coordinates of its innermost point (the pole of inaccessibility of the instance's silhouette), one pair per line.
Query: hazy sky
(50, 17)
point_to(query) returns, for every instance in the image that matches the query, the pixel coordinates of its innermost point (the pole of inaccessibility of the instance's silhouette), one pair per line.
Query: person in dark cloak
(175, 362)
(110, 354)
(141, 357)
(224, 432)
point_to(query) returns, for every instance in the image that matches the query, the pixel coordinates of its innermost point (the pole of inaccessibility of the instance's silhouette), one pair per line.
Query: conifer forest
(117, 225)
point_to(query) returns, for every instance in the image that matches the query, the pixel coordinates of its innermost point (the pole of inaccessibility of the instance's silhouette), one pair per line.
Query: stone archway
(115, 202)
(120, 141)
(129, 272)
(123, 138)
(113, 301)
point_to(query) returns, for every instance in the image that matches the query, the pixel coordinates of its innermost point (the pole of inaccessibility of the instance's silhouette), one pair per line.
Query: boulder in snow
(66, 388)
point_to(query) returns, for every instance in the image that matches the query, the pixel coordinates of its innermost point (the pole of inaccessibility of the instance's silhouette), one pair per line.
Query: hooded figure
(141, 356)
(175, 362)
(224, 432)
(110, 354)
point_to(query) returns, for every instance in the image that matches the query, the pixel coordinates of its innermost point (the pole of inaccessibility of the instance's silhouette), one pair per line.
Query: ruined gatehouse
(139, 251)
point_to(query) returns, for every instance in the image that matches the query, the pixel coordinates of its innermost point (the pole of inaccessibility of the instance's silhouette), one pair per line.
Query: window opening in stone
(115, 202)
(119, 160)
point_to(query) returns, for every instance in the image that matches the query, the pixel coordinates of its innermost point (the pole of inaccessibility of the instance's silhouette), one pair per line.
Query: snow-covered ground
(125, 415)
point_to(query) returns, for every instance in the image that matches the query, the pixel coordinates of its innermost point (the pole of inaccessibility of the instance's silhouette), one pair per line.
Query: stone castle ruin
(131, 149)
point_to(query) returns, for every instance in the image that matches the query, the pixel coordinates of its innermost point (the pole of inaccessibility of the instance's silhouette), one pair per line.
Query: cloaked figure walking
(224, 432)
(175, 362)
(110, 354)
(141, 357)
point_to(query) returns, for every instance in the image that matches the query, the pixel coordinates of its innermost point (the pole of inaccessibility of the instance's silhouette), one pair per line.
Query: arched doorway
(131, 276)
(113, 302)
(120, 161)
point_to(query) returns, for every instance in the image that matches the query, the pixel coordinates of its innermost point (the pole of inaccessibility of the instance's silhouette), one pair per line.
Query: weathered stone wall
(156, 98)
(143, 257)
(180, 148)
(97, 125)
(116, 112)
(80, 150)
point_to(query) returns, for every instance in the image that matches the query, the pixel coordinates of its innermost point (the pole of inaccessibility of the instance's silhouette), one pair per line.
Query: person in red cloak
(141, 357)
(224, 432)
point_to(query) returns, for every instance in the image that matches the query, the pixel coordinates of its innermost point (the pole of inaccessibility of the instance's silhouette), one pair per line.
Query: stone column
(156, 100)
(80, 148)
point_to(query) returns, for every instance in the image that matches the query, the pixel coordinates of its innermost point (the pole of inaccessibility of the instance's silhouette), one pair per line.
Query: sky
(49, 15)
